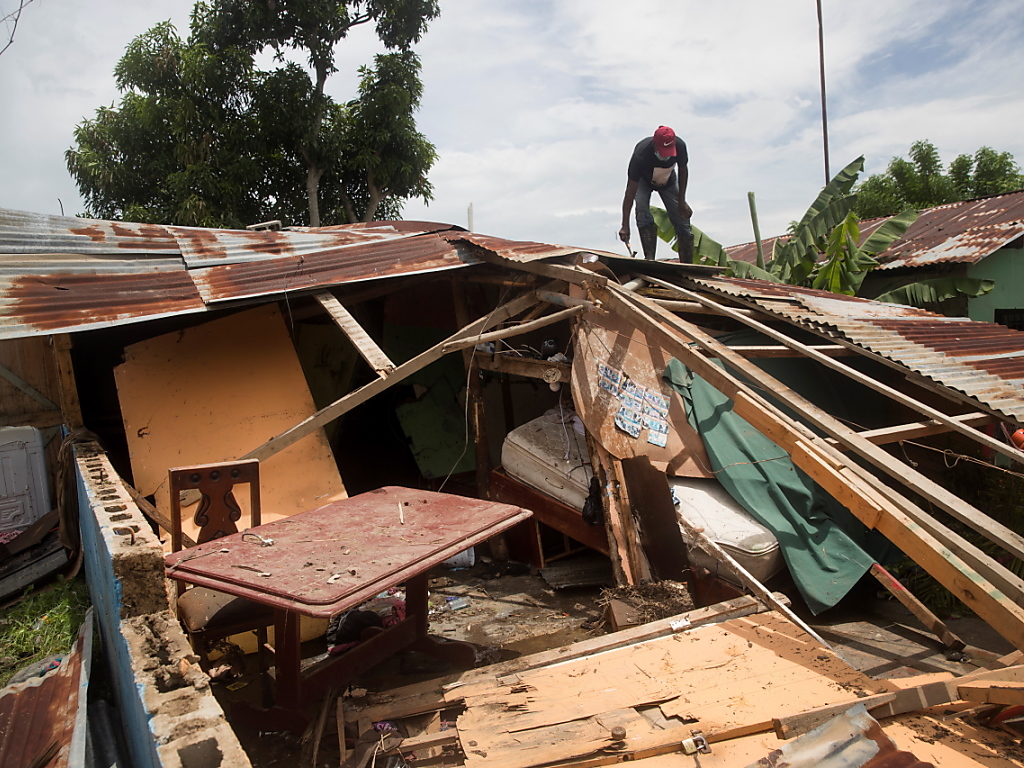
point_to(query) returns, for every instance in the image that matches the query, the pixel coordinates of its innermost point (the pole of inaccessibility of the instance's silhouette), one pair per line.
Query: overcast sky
(535, 105)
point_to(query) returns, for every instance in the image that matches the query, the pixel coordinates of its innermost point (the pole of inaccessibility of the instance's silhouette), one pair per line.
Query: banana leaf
(929, 292)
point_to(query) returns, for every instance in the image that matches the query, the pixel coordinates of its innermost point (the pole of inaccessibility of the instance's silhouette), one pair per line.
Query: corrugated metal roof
(44, 712)
(60, 274)
(966, 231)
(984, 361)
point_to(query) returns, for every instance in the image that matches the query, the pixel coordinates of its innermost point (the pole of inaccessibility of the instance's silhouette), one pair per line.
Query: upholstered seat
(206, 614)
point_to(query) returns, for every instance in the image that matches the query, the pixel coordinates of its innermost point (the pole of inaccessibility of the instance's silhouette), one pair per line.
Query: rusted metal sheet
(966, 232)
(45, 715)
(61, 274)
(33, 233)
(64, 300)
(984, 361)
(333, 266)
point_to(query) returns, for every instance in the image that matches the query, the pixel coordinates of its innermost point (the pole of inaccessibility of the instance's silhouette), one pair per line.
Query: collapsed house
(684, 424)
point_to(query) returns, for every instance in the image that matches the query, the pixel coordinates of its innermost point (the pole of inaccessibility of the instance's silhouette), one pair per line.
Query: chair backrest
(218, 510)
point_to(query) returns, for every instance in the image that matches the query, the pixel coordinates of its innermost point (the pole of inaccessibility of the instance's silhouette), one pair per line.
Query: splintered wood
(728, 677)
(739, 682)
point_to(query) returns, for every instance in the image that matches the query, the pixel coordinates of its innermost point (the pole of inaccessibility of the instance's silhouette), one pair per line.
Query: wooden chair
(206, 614)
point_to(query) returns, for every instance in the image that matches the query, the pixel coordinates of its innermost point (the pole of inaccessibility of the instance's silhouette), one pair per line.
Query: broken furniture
(209, 615)
(328, 560)
(745, 683)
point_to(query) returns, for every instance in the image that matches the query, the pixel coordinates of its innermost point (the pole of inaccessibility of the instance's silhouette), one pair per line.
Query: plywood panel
(212, 393)
(629, 356)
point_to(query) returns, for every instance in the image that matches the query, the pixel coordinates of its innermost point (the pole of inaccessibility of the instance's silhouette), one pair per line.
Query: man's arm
(627, 206)
(684, 207)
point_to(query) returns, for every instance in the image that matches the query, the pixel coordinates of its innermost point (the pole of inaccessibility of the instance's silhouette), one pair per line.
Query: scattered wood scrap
(744, 684)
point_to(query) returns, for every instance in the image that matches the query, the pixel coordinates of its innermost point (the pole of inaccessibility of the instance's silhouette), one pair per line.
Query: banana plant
(705, 249)
(824, 251)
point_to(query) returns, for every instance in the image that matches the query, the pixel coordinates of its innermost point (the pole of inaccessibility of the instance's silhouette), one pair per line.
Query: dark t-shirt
(644, 161)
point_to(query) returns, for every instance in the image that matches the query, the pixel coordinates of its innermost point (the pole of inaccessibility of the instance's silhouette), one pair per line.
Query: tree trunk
(313, 175)
(376, 195)
(313, 169)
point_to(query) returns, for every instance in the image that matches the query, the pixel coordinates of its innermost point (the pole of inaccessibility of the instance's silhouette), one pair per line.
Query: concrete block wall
(168, 711)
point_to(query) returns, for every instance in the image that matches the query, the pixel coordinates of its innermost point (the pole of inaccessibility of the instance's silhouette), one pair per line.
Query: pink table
(334, 558)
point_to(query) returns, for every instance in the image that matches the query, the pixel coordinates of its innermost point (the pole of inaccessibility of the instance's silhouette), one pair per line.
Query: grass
(42, 624)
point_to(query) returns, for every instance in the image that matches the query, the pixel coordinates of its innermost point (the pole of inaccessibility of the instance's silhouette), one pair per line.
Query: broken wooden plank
(934, 624)
(627, 556)
(547, 371)
(69, 402)
(512, 330)
(345, 404)
(993, 692)
(914, 430)
(431, 695)
(931, 692)
(773, 351)
(365, 346)
(652, 504)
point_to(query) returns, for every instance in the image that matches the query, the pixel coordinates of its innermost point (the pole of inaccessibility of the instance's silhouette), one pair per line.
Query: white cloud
(534, 106)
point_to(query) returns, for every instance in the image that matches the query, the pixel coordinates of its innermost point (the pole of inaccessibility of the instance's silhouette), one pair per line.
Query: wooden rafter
(360, 339)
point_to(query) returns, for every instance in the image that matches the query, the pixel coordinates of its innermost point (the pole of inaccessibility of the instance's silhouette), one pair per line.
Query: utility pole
(824, 113)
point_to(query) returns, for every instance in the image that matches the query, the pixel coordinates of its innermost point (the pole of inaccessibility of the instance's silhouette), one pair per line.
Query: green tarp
(818, 536)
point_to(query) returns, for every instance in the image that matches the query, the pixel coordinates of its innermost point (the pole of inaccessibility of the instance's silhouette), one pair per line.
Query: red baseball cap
(665, 141)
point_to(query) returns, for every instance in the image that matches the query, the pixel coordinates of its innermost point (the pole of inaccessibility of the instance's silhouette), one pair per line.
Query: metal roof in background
(966, 232)
(61, 274)
(983, 361)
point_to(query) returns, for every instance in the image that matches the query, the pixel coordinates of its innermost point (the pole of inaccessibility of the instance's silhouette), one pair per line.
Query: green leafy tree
(315, 27)
(921, 183)
(201, 137)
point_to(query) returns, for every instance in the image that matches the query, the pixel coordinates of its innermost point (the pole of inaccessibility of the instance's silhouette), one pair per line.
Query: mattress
(550, 457)
(704, 503)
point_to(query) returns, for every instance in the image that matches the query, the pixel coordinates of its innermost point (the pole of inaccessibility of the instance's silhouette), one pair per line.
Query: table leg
(287, 714)
(288, 659)
(416, 608)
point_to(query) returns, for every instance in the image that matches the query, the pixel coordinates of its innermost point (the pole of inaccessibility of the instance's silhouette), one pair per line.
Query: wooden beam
(513, 330)
(934, 624)
(994, 531)
(848, 483)
(929, 693)
(528, 367)
(993, 692)
(345, 404)
(25, 388)
(914, 430)
(628, 561)
(695, 308)
(70, 405)
(773, 351)
(360, 339)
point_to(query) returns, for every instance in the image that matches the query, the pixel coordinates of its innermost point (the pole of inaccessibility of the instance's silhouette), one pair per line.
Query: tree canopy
(202, 137)
(919, 182)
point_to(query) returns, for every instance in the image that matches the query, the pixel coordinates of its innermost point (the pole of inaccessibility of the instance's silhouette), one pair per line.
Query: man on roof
(653, 168)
